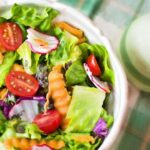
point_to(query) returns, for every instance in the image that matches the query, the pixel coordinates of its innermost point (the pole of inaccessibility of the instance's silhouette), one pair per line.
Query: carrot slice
(3, 93)
(73, 30)
(17, 67)
(82, 40)
(1, 58)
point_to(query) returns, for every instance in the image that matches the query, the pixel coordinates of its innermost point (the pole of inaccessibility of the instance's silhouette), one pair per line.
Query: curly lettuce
(35, 17)
(6, 66)
(75, 74)
(2, 19)
(101, 53)
(76, 141)
(2, 120)
(29, 59)
(17, 128)
(67, 50)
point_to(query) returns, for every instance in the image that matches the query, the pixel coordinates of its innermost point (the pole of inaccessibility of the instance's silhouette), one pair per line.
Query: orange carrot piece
(82, 40)
(3, 93)
(1, 58)
(56, 144)
(17, 67)
(73, 30)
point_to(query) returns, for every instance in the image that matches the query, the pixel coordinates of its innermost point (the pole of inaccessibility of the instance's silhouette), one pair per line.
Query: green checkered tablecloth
(113, 17)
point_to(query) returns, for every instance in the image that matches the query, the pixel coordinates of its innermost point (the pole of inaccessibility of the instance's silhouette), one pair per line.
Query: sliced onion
(41, 147)
(51, 42)
(96, 81)
(26, 109)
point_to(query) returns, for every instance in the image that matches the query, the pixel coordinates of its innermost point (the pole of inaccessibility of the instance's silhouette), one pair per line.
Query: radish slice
(26, 109)
(41, 147)
(41, 43)
(96, 81)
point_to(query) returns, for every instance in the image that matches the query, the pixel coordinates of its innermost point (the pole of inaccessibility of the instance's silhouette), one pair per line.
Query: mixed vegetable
(53, 83)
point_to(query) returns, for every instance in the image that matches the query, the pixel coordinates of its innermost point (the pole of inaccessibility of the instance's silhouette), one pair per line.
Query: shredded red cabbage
(101, 129)
(5, 107)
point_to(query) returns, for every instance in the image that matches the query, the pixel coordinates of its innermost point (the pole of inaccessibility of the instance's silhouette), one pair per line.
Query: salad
(54, 84)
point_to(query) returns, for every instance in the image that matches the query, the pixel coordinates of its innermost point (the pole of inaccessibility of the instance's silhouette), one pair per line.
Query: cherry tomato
(21, 84)
(93, 65)
(48, 122)
(10, 36)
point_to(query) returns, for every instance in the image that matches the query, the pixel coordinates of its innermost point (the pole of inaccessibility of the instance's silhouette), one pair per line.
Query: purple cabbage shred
(101, 129)
(5, 108)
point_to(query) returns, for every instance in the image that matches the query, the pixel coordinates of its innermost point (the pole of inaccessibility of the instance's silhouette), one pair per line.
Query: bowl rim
(119, 122)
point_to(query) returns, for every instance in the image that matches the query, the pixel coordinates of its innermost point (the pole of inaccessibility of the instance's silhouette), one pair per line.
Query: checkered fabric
(113, 17)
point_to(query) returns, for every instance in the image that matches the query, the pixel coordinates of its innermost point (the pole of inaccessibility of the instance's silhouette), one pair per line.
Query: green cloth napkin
(113, 17)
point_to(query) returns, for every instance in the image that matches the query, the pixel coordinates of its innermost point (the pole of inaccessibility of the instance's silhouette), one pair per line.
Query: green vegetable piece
(2, 117)
(2, 124)
(71, 143)
(85, 109)
(5, 67)
(66, 52)
(35, 17)
(103, 58)
(2, 19)
(75, 74)
(31, 131)
(107, 117)
(76, 145)
(29, 59)
(9, 133)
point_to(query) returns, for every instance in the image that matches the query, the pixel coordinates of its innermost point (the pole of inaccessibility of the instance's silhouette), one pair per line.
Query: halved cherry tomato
(10, 36)
(48, 122)
(21, 84)
(93, 65)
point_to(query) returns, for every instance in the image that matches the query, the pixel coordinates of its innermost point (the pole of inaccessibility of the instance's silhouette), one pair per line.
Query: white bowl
(119, 103)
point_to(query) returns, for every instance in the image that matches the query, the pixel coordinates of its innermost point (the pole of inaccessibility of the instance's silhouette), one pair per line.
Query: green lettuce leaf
(67, 50)
(76, 145)
(35, 17)
(20, 129)
(29, 60)
(30, 131)
(2, 19)
(2, 124)
(9, 133)
(101, 53)
(75, 74)
(83, 119)
(71, 143)
(9, 129)
(5, 67)
(107, 117)
(2, 117)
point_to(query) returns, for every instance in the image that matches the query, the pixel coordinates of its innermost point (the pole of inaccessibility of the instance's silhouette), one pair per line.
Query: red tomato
(10, 35)
(48, 122)
(21, 84)
(93, 65)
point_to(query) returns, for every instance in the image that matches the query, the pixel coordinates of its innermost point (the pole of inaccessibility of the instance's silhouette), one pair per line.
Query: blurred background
(115, 18)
